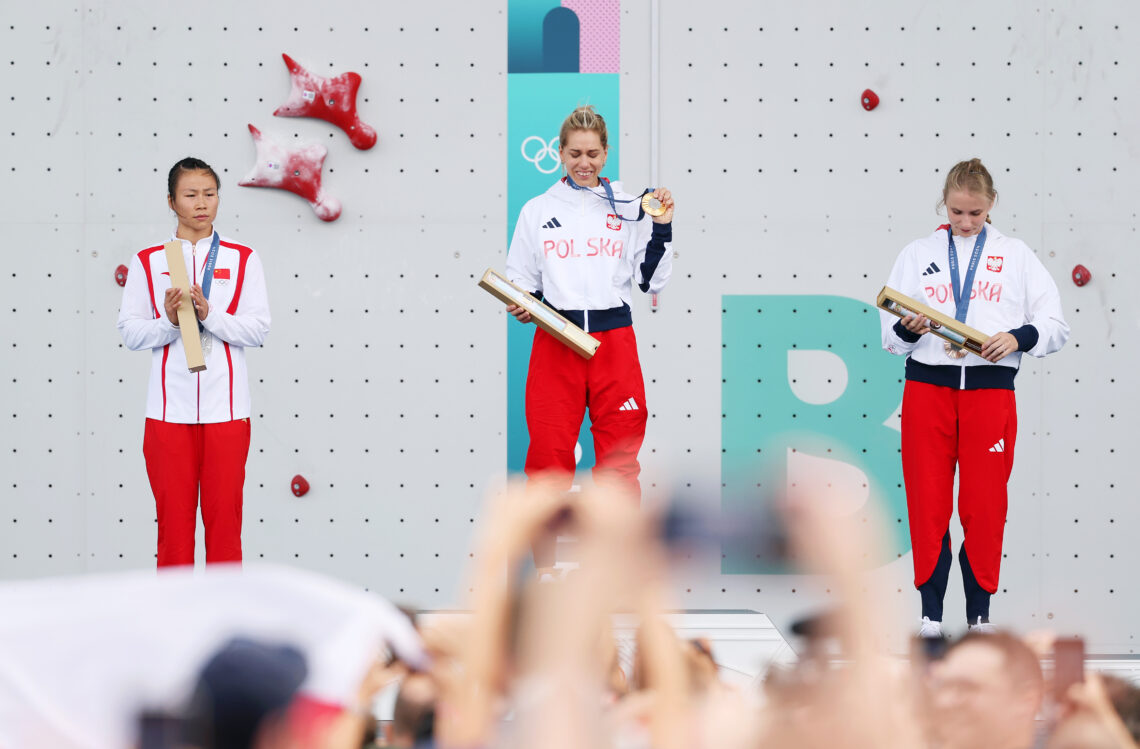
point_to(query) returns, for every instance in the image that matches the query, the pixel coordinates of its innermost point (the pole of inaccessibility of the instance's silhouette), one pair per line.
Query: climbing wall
(795, 201)
(384, 381)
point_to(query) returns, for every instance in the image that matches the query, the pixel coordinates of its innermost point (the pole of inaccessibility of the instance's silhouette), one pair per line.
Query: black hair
(188, 164)
(241, 685)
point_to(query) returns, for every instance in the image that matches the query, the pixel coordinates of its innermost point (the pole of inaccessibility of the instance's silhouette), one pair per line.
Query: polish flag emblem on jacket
(613, 222)
(993, 263)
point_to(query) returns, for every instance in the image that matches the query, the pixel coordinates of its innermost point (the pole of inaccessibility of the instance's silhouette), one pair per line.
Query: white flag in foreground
(81, 657)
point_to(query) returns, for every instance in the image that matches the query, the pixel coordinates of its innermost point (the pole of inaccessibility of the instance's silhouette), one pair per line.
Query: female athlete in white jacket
(580, 247)
(197, 423)
(958, 408)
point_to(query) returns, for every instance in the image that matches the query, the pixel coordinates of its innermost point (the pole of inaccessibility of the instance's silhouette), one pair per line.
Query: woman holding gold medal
(580, 247)
(958, 408)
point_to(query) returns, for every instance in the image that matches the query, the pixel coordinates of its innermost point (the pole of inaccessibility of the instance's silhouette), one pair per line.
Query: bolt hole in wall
(794, 194)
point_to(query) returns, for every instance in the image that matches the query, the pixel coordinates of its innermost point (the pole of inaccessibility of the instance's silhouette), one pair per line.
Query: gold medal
(954, 352)
(652, 205)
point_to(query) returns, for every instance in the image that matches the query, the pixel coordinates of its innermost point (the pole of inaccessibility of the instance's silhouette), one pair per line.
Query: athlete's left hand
(666, 199)
(201, 306)
(999, 346)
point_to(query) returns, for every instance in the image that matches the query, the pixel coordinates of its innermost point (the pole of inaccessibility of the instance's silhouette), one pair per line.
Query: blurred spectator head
(1082, 731)
(1096, 712)
(413, 718)
(243, 694)
(985, 691)
(1125, 697)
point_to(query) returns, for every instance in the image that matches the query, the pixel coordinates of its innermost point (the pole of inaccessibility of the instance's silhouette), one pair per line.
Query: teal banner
(806, 396)
(543, 40)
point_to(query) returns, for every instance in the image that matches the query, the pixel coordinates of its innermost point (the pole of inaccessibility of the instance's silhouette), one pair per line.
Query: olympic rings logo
(544, 152)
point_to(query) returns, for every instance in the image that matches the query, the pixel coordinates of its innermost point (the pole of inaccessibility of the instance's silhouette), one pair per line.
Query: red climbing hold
(330, 99)
(121, 275)
(1081, 275)
(300, 486)
(296, 168)
(870, 100)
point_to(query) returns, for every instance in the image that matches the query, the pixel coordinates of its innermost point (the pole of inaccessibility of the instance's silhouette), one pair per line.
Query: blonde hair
(971, 177)
(584, 118)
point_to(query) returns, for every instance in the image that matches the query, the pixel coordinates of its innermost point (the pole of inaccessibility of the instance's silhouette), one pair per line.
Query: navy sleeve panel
(654, 251)
(906, 335)
(1026, 336)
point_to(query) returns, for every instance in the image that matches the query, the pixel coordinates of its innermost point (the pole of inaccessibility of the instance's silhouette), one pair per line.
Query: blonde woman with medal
(583, 246)
(958, 410)
(197, 431)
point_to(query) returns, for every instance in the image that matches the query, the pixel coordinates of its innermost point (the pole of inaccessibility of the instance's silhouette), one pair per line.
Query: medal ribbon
(962, 295)
(610, 197)
(208, 270)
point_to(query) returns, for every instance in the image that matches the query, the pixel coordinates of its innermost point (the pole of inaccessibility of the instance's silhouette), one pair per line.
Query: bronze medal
(954, 352)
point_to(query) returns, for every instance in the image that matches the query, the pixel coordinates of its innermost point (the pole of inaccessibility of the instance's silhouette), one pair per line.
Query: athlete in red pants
(561, 385)
(184, 460)
(958, 409)
(580, 247)
(197, 423)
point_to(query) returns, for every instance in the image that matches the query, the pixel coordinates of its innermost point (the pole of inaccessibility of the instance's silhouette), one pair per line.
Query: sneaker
(929, 629)
(982, 628)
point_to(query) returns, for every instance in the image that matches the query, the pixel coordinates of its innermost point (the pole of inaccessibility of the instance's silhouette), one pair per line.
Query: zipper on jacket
(585, 297)
(197, 375)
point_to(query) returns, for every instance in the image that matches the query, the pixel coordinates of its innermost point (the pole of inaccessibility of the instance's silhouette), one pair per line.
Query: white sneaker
(927, 628)
(983, 628)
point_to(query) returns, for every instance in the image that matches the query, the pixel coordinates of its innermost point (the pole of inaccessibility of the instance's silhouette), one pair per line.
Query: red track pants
(976, 430)
(180, 460)
(561, 385)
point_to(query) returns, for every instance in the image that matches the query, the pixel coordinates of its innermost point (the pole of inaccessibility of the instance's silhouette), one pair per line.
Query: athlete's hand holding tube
(996, 347)
(172, 300)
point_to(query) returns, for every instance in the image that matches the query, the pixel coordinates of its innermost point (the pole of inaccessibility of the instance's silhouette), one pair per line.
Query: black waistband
(980, 377)
(597, 320)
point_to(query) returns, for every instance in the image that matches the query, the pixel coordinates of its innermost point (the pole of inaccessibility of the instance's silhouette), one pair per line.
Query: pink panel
(600, 41)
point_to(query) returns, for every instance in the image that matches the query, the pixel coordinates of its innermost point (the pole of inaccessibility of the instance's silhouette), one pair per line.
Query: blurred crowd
(536, 663)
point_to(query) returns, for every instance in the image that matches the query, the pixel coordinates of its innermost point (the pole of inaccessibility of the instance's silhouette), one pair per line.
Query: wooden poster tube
(584, 344)
(187, 319)
(945, 327)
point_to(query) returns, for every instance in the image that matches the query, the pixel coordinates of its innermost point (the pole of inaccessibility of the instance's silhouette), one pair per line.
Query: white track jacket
(572, 249)
(1012, 292)
(238, 317)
